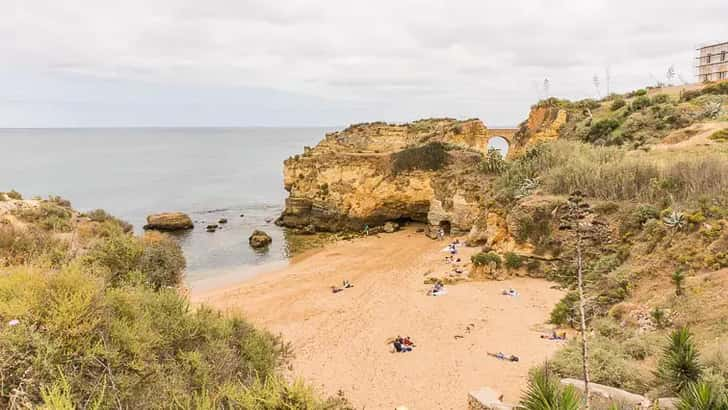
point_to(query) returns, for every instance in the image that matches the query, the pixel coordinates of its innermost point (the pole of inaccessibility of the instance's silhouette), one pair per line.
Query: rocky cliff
(368, 174)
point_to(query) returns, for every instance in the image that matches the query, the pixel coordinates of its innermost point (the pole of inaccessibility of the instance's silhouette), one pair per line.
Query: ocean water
(209, 173)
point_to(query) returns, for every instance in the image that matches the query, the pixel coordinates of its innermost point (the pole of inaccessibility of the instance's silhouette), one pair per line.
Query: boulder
(487, 399)
(259, 239)
(390, 227)
(169, 221)
(610, 393)
(667, 403)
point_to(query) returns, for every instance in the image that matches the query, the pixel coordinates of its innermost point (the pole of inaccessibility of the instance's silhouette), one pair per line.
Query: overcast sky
(316, 62)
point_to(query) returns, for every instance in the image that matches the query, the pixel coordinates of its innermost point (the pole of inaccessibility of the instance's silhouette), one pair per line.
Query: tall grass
(610, 173)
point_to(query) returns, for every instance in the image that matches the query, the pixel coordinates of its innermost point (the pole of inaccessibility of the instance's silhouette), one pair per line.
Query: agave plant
(676, 220)
(545, 393)
(679, 366)
(702, 396)
(494, 162)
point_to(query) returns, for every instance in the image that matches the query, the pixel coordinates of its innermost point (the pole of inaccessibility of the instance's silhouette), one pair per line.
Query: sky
(103, 63)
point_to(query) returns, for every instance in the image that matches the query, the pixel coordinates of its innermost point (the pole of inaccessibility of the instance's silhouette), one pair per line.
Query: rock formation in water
(259, 239)
(169, 221)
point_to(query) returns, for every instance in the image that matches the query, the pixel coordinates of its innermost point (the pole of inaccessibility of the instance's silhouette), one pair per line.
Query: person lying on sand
(335, 289)
(554, 336)
(510, 292)
(502, 356)
(437, 290)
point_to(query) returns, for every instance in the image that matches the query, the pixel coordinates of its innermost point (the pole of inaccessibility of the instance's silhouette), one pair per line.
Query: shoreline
(340, 340)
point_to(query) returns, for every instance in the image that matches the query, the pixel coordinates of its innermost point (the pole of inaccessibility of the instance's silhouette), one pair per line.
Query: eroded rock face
(369, 174)
(259, 239)
(169, 221)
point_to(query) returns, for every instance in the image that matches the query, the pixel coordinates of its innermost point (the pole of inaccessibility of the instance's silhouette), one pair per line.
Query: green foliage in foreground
(545, 393)
(109, 329)
(81, 341)
(679, 366)
(702, 396)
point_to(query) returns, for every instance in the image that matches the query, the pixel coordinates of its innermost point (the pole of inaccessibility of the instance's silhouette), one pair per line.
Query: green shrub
(617, 104)
(601, 129)
(429, 157)
(156, 259)
(162, 260)
(99, 215)
(512, 260)
(493, 162)
(641, 102)
(150, 346)
(13, 194)
(719, 88)
(661, 99)
(608, 364)
(62, 202)
(31, 246)
(720, 136)
(565, 312)
(545, 392)
(486, 258)
(47, 215)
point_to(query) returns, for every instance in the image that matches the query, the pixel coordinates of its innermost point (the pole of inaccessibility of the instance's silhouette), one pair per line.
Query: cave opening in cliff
(446, 227)
(499, 144)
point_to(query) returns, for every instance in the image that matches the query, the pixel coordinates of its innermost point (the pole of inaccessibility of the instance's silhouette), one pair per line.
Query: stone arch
(500, 143)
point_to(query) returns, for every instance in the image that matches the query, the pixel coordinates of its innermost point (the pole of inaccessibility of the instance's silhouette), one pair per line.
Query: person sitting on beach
(400, 346)
(408, 342)
(510, 292)
(346, 284)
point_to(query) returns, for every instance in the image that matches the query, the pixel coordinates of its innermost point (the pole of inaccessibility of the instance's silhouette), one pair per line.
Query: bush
(601, 129)
(429, 157)
(485, 259)
(13, 194)
(679, 366)
(608, 364)
(47, 215)
(661, 99)
(75, 337)
(512, 260)
(156, 259)
(617, 104)
(162, 260)
(565, 312)
(101, 216)
(31, 246)
(493, 163)
(720, 136)
(641, 102)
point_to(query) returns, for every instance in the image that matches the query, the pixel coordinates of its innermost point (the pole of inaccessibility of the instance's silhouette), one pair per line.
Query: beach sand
(340, 340)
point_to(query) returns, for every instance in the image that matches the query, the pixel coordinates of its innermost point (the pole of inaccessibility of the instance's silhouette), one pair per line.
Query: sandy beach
(340, 340)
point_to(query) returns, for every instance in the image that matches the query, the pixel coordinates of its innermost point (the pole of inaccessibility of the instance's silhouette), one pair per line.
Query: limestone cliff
(368, 174)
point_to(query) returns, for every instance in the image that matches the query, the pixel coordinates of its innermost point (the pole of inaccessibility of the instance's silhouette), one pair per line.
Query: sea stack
(169, 221)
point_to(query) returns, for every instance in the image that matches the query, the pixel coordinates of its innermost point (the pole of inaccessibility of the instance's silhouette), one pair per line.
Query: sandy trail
(340, 340)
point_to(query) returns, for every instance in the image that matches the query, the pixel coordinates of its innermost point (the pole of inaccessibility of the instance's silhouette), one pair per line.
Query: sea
(208, 173)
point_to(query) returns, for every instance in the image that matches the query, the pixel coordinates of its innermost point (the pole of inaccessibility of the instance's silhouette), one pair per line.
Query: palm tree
(678, 277)
(679, 366)
(702, 396)
(545, 393)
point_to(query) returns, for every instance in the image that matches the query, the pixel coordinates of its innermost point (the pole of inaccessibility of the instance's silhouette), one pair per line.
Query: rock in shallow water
(259, 239)
(169, 221)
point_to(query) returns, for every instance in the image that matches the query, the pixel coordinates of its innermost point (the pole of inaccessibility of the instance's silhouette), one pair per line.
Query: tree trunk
(584, 347)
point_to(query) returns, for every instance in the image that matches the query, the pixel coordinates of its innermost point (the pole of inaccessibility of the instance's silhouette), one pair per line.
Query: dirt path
(340, 340)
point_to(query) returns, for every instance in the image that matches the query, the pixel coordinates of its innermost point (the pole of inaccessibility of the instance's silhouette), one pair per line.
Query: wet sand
(340, 340)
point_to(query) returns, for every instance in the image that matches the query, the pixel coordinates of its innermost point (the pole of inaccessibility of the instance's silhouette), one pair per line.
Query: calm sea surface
(209, 173)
